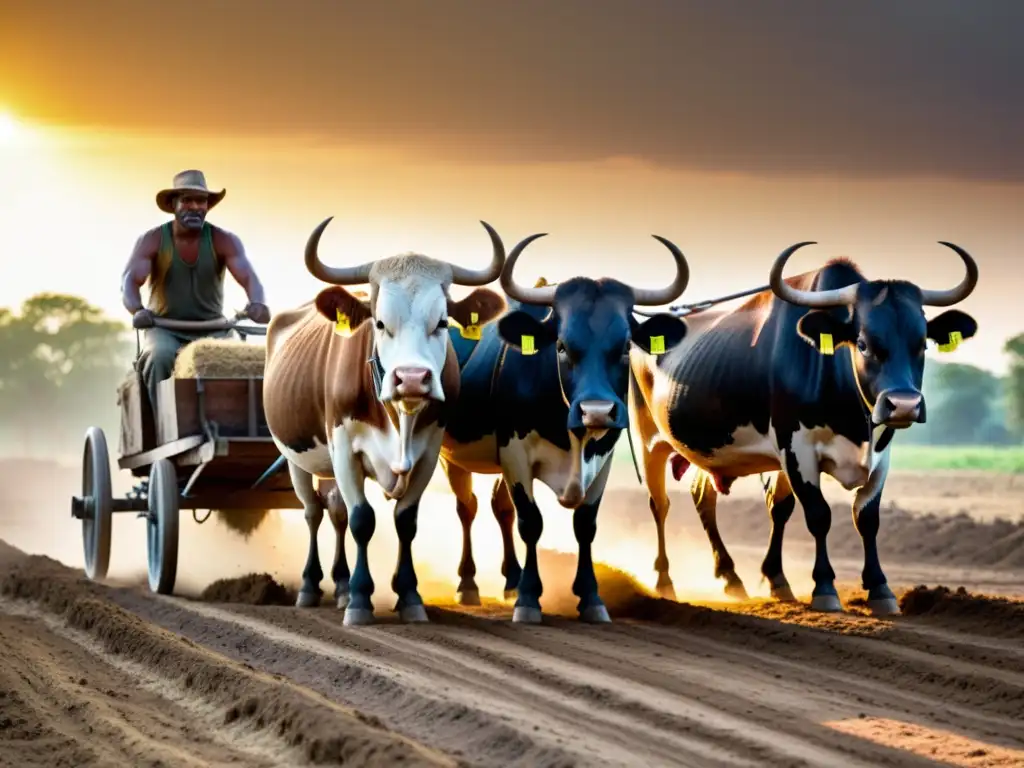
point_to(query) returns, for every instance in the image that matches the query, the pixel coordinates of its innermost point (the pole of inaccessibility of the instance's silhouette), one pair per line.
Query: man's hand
(258, 313)
(142, 318)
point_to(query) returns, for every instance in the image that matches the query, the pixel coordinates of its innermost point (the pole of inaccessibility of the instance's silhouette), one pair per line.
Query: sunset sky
(734, 129)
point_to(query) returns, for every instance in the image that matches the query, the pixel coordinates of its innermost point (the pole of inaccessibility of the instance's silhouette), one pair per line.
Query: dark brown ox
(356, 389)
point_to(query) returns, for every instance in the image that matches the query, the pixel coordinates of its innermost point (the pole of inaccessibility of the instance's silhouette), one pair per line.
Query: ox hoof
(884, 606)
(511, 595)
(524, 614)
(342, 600)
(307, 600)
(468, 597)
(355, 617)
(413, 614)
(826, 603)
(667, 591)
(736, 590)
(783, 592)
(595, 614)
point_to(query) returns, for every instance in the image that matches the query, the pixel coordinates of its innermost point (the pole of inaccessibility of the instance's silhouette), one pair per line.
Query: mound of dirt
(994, 615)
(251, 589)
(618, 589)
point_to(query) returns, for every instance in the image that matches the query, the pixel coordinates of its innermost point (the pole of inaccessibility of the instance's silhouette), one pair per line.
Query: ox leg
(348, 474)
(404, 582)
(516, 470)
(705, 499)
(866, 504)
(461, 483)
(584, 525)
(654, 460)
(818, 515)
(505, 513)
(312, 574)
(338, 513)
(781, 502)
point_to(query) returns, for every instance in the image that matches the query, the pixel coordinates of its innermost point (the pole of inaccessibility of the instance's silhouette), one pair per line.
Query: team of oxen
(811, 376)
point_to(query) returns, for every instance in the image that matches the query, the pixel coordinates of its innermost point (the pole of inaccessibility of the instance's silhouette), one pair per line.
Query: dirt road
(100, 675)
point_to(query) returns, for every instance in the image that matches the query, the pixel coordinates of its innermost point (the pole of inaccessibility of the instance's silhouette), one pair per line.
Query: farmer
(184, 261)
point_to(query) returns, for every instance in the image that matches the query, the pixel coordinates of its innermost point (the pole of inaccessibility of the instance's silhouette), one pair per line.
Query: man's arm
(137, 270)
(229, 247)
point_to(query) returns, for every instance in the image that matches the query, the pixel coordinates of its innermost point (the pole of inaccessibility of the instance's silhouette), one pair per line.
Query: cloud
(875, 88)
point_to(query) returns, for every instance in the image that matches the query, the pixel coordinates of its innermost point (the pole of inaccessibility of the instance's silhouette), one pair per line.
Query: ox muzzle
(899, 408)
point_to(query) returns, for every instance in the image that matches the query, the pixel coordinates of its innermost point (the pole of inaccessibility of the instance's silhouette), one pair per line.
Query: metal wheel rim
(92, 472)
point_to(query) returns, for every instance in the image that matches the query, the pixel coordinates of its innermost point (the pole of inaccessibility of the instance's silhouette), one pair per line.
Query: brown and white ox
(361, 388)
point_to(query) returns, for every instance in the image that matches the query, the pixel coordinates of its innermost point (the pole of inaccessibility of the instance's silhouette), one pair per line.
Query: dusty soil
(109, 674)
(101, 675)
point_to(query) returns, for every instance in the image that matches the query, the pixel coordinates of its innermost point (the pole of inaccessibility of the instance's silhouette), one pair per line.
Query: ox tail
(273, 469)
(634, 393)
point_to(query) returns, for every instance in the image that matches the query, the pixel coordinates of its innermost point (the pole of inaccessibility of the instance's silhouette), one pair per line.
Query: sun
(9, 128)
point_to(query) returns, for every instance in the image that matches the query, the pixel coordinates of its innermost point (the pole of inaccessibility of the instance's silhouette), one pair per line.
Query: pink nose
(412, 382)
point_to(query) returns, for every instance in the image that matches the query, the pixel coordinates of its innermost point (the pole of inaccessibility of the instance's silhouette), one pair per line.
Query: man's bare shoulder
(225, 242)
(148, 242)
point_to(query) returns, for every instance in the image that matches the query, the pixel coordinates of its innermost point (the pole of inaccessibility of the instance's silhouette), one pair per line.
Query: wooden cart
(203, 447)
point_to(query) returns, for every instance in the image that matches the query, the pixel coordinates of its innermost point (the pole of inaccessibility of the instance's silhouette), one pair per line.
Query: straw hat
(186, 181)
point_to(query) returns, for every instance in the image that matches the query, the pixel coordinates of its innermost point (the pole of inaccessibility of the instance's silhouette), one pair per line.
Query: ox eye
(442, 325)
(380, 327)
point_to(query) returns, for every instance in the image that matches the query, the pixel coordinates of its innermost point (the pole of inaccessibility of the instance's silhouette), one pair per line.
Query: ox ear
(479, 308)
(950, 328)
(526, 333)
(824, 331)
(658, 334)
(342, 308)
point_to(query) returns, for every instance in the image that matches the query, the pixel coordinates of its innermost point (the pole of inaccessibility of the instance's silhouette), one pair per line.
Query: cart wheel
(162, 526)
(96, 523)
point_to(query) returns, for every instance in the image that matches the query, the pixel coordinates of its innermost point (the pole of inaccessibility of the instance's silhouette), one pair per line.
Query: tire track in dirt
(405, 648)
(115, 713)
(499, 722)
(315, 729)
(667, 684)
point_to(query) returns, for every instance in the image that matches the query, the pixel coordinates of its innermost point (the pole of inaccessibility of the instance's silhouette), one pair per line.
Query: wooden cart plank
(165, 451)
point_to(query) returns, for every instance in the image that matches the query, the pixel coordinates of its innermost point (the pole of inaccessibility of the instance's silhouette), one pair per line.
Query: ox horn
(464, 276)
(544, 295)
(334, 275)
(960, 292)
(361, 274)
(837, 297)
(652, 297)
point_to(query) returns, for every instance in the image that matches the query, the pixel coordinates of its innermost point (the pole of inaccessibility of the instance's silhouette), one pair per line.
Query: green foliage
(60, 362)
(1007, 459)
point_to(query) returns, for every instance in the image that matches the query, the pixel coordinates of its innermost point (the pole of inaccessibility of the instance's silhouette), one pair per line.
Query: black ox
(813, 379)
(542, 396)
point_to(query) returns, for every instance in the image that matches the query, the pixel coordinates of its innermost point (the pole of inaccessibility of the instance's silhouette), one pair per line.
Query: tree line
(62, 359)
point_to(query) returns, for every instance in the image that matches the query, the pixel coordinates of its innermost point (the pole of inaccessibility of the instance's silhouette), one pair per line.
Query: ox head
(409, 307)
(591, 324)
(884, 325)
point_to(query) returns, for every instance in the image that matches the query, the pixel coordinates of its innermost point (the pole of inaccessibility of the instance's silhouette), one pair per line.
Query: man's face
(190, 209)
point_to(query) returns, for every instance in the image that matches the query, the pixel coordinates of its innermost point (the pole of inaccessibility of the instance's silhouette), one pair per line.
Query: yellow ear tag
(527, 346)
(955, 337)
(825, 344)
(474, 318)
(470, 332)
(657, 345)
(342, 326)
